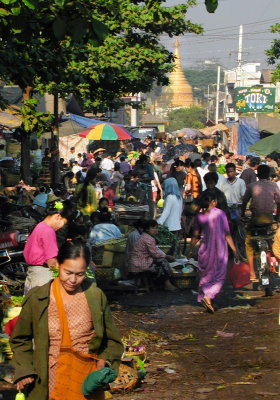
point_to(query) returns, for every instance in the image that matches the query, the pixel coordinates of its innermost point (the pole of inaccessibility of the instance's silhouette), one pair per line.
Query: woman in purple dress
(212, 225)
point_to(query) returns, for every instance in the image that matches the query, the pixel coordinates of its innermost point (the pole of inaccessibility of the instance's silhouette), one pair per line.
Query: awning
(267, 145)
(268, 124)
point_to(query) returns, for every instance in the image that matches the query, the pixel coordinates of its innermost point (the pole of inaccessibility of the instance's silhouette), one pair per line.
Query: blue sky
(220, 39)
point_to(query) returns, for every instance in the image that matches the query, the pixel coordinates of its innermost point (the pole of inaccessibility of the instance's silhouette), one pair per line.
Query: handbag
(72, 366)
(239, 274)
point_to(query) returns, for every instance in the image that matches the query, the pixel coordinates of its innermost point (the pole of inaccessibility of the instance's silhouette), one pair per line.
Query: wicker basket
(126, 380)
(104, 275)
(104, 253)
(185, 282)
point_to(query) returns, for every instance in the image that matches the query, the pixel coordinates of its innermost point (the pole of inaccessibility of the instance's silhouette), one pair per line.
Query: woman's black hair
(105, 215)
(206, 199)
(64, 208)
(72, 249)
(263, 171)
(91, 175)
(150, 223)
(138, 224)
(102, 199)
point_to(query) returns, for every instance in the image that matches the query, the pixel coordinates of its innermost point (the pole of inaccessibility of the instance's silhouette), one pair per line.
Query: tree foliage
(192, 117)
(274, 53)
(99, 50)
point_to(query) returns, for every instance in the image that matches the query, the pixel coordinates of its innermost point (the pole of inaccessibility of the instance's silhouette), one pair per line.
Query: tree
(274, 53)
(99, 50)
(192, 117)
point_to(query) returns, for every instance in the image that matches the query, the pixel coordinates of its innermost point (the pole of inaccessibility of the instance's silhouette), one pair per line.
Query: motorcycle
(12, 265)
(262, 236)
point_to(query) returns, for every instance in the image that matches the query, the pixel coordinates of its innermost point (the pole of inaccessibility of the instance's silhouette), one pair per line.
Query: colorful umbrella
(105, 131)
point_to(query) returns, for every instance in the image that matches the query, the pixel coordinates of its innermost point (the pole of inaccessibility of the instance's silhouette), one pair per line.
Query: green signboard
(254, 99)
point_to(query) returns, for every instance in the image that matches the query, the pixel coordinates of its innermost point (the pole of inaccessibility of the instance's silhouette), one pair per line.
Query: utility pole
(239, 57)
(208, 102)
(218, 94)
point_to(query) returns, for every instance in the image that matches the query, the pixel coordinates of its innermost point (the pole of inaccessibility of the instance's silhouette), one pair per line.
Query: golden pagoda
(179, 92)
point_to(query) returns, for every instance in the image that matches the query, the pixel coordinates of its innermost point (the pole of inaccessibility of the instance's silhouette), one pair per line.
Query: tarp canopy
(189, 133)
(66, 142)
(86, 122)
(65, 128)
(267, 145)
(247, 136)
(211, 130)
(268, 124)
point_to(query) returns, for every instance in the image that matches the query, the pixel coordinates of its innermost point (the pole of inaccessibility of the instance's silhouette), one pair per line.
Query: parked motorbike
(12, 265)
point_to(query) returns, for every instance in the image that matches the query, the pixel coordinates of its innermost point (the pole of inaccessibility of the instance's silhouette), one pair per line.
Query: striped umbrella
(105, 131)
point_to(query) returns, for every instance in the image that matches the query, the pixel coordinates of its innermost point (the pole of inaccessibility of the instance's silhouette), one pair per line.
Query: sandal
(207, 305)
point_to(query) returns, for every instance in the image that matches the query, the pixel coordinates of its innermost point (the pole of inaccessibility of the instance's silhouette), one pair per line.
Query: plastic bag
(239, 274)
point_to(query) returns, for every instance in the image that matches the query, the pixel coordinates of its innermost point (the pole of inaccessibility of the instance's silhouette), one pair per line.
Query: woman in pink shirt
(41, 247)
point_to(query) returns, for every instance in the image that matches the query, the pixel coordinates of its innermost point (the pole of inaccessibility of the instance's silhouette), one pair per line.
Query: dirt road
(191, 356)
(233, 354)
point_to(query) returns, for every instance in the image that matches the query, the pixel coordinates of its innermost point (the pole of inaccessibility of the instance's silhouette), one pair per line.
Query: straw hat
(97, 150)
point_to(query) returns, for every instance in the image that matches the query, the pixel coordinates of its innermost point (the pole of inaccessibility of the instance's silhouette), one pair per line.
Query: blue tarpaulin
(85, 122)
(247, 136)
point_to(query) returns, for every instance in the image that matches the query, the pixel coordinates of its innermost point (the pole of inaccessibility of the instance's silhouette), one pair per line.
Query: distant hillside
(200, 79)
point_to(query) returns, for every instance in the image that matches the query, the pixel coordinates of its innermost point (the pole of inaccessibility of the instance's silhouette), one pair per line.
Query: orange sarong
(72, 366)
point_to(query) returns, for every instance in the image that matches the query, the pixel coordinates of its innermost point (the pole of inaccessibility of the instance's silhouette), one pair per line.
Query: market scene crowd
(183, 205)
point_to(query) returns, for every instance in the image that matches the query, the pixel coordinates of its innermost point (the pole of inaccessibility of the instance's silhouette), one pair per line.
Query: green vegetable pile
(135, 155)
(166, 238)
(221, 169)
(17, 300)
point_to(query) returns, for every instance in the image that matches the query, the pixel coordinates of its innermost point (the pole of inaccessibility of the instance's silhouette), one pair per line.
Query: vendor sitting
(103, 229)
(146, 256)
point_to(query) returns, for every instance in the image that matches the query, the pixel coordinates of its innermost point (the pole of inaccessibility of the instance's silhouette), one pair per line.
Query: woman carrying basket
(65, 331)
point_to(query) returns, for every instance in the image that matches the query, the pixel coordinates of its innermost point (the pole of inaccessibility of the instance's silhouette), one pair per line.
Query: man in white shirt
(198, 166)
(76, 167)
(107, 165)
(234, 188)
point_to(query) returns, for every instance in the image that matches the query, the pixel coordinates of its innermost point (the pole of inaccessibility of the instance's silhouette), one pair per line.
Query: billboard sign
(254, 99)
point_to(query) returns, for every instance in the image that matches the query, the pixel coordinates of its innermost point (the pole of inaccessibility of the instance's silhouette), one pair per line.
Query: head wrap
(171, 187)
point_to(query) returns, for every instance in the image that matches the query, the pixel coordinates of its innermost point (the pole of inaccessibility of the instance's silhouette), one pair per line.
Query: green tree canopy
(192, 117)
(274, 53)
(99, 50)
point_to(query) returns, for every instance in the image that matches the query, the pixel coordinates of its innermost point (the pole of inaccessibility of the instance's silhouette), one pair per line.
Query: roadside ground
(230, 355)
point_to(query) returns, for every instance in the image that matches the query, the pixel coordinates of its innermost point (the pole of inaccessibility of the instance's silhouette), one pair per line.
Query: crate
(207, 142)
